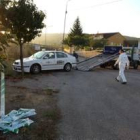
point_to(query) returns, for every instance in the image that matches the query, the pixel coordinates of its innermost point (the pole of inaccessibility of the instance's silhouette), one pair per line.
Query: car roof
(52, 51)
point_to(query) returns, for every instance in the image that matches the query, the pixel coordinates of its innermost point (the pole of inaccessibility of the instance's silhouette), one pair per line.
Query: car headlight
(16, 63)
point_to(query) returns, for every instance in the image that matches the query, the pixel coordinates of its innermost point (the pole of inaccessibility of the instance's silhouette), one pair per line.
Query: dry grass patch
(48, 114)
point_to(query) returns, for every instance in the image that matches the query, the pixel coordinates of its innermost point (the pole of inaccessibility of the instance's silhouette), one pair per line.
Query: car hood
(28, 59)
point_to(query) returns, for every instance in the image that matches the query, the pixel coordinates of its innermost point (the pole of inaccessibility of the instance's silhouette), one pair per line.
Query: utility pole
(65, 24)
(45, 28)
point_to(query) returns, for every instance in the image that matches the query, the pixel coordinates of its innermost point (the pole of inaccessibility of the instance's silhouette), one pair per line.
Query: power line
(97, 5)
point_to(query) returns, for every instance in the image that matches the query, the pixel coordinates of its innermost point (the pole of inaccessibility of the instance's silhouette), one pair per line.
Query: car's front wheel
(67, 67)
(35, 69)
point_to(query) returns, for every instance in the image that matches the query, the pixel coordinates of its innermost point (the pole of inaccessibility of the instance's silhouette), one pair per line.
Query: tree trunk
(21, 58)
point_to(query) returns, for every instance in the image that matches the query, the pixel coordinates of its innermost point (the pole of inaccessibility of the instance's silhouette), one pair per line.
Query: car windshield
(38, 55)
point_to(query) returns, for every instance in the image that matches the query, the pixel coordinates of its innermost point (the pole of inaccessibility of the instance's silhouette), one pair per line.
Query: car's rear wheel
(35, 69)
(67, 67)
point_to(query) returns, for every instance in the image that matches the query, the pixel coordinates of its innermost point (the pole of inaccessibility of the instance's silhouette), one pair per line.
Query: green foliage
(3, 41)
(75, 40)
(24, 20)
(77, 29)
(5, 36)
(76, 36)
(87, 48)
(98, 43)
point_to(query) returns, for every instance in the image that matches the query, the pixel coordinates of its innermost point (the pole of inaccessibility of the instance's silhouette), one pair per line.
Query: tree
(5, 36)
(77, 29)
(24, 20)
(98, 43)
(76, 36)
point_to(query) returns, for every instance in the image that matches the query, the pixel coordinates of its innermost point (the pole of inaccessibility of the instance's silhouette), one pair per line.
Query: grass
(47, 117)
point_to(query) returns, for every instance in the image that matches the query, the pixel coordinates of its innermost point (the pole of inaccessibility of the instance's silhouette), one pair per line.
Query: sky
(96, 16)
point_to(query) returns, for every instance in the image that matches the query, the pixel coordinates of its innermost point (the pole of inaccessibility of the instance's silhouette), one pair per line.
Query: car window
(38, 55)
(50, 55)
(61, 55)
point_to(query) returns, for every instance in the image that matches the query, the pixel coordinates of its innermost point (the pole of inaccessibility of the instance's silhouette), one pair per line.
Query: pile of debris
(16, 119)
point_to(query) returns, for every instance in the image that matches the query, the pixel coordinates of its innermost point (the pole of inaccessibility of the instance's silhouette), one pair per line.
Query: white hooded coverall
(123, 62)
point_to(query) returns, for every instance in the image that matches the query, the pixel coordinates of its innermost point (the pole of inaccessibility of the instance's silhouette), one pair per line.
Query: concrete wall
(83, 53)
(87, 54)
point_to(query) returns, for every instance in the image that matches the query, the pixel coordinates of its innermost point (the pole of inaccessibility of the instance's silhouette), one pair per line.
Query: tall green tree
(5, 36)
(76, 36)
(77, 29)
(25, 21)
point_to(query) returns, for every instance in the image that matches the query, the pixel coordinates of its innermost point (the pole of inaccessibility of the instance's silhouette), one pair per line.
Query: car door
(49, 61)
(61, 59)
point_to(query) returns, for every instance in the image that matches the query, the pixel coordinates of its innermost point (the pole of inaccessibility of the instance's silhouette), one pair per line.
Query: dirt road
(96, 107)
(93, 105)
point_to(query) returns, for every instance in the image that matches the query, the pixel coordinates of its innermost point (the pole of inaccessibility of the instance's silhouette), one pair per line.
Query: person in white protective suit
(123, 63)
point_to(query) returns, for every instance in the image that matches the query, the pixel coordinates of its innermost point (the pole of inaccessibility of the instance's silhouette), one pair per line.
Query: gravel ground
(93, 105)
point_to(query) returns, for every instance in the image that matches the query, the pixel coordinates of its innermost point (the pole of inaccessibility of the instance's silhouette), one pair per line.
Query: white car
(46, 60)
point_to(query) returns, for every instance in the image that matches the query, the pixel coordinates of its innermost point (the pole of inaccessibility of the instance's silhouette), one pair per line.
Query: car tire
(35, 68)
(67, 67)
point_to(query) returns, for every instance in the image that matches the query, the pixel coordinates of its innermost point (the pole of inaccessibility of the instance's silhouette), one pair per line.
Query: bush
(12, 53)
(87, 48)
(28, 50)
(9, 69)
